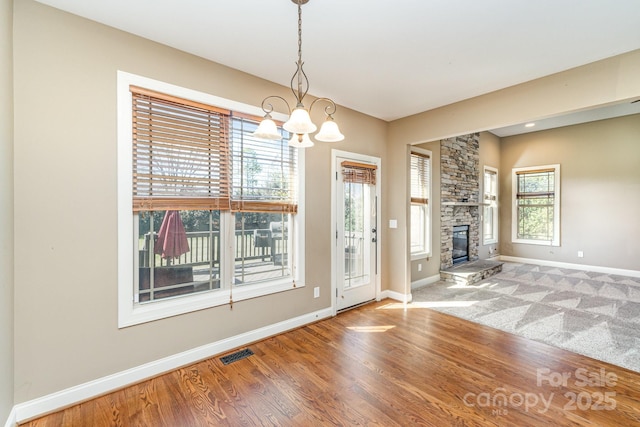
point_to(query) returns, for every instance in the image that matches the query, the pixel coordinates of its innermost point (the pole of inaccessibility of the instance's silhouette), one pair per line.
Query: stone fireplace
(460, 194)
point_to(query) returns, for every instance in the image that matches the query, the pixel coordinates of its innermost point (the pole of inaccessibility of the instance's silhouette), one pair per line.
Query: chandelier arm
(302, 82)
(299, 123)
(329, 109)
(267, 107)
(299, 94)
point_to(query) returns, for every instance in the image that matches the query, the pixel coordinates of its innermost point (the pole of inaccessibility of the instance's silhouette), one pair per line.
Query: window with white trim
(536, 205)
(420, 181)
(214, 211)
(490, 199)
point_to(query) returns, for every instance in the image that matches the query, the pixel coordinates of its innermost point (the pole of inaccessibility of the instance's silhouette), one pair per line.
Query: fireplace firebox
(460, 243)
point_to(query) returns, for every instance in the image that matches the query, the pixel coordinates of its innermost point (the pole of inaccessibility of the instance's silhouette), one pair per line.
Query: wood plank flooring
(378, 365)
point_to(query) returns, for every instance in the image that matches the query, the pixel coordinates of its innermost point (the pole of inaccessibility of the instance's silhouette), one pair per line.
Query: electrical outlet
(420, 267)
(316, 292)
(580, 254)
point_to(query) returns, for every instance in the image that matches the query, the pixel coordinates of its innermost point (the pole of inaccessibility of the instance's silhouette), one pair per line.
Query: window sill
(465, 204)
(420, 255)
(536, 242)
(135, 314)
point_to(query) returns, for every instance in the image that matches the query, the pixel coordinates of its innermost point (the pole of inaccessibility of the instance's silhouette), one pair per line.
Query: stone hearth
(468, 273)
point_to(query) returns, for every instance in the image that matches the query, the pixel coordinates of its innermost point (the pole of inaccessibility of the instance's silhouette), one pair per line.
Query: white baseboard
(82, 392)
(11, 421)
(425, 281)
(596, 268)
(396, 296)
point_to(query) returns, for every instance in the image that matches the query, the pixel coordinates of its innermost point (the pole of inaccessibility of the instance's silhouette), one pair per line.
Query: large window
(214, 211)
(420, 176)
(490, 217)
(536, 205)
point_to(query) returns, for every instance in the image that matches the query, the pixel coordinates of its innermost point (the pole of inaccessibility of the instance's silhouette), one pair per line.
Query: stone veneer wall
(459, 182)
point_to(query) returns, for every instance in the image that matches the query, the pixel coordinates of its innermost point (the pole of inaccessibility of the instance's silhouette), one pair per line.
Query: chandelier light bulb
(300, 140)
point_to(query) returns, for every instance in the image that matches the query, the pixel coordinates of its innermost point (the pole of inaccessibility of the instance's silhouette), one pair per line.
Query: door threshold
(360, 304)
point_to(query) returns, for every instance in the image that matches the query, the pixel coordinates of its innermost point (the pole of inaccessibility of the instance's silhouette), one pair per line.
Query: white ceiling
(591, 115)
(385, 58)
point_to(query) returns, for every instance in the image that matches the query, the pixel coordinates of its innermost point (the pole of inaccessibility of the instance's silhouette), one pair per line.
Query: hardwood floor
(378, 365)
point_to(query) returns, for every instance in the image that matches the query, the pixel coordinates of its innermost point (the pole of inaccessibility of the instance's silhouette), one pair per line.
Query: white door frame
(334, 240)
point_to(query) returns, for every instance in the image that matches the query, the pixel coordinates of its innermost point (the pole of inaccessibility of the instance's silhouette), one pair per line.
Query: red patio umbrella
(172, 239)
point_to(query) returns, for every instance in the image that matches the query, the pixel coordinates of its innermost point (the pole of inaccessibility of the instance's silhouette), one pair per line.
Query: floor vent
(233, 357)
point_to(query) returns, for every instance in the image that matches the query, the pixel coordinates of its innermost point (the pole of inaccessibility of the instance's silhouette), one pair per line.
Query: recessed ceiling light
(529, 125)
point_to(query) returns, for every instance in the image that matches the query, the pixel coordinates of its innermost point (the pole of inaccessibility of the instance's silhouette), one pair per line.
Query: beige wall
(65, 187)
(600, 83)
(65, 310)
(6, 208)
(599, 187)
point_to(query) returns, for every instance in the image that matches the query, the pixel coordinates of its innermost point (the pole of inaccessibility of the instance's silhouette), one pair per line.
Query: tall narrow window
(263, 199)
(536, 212)
(180, 186)
(490, 219)
(420, 167)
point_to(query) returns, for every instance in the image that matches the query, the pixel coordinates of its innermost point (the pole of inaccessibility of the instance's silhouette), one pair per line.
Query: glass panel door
(356, 241)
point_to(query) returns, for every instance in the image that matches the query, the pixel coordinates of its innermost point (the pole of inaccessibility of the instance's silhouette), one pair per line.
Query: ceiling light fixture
(299, 123)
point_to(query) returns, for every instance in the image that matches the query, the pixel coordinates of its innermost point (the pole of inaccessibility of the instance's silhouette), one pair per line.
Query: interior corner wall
(6, 209)
(597, 84)
(65, 173)
(489, 156)
(599, 191)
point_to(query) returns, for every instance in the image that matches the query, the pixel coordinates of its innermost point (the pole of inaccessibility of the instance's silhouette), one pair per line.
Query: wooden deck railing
(204, 247)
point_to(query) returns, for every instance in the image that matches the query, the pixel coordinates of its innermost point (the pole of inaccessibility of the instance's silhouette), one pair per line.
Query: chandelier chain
(299, 33)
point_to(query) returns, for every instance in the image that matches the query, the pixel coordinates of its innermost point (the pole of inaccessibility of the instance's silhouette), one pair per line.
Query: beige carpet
(593, 314)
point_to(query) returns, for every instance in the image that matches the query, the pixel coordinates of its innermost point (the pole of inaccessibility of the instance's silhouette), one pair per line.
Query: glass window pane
(417, 228)
(178, 253)
(261, 247)
(357, 215)
(535, 222)
(489, 223)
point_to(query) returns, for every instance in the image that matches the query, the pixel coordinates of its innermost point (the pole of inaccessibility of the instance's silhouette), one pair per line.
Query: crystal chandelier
(299, 123)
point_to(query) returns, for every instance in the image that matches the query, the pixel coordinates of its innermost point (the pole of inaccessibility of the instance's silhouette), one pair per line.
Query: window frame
(131, 313)
(492, 199)
(426, 208)
(555, 241)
